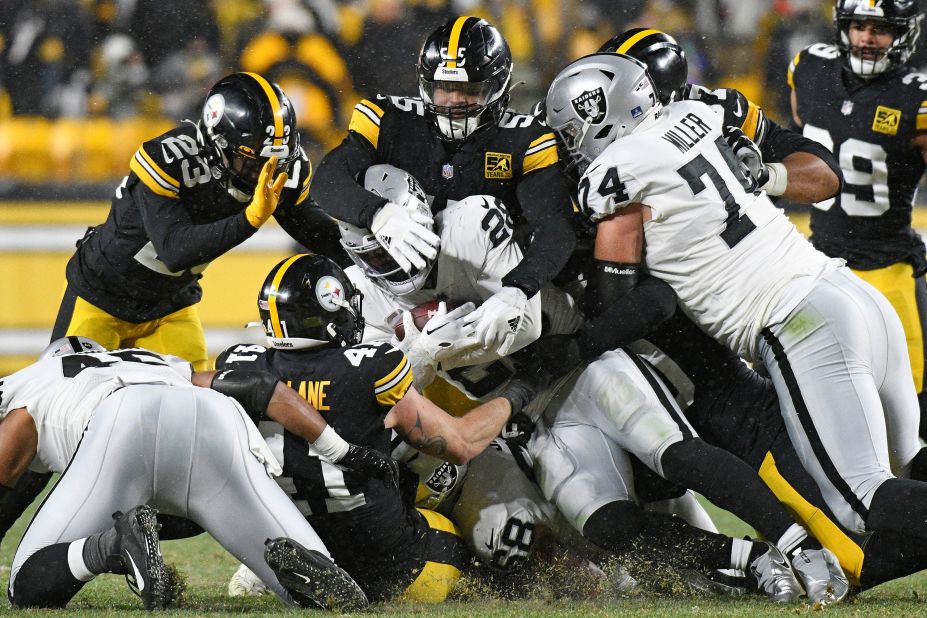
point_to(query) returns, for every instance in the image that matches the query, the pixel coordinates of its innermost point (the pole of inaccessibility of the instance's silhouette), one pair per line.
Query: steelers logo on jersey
(886, 120)
(591, 106)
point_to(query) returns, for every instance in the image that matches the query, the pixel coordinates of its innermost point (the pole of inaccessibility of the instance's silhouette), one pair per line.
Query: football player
(312, 318)
(792, 317)
(863, 100)
(458, 140)
(132, 427)
(799, 169)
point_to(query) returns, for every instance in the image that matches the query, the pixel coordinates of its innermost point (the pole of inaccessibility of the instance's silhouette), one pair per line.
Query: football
(421, 314)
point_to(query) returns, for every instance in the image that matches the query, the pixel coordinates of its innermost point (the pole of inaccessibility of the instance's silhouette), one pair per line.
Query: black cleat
(311, 578)
(140, 552)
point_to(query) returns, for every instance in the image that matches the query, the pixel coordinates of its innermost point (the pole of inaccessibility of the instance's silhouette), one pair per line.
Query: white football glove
(497, 320)
(404, 230)
(442, 337)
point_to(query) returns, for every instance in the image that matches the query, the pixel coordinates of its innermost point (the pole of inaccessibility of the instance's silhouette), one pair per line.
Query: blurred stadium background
(84, 82)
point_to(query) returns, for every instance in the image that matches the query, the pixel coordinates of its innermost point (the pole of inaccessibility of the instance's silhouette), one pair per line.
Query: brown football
(422, 313)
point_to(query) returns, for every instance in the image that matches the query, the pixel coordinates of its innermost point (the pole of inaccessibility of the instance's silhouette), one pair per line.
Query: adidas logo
(513, 324)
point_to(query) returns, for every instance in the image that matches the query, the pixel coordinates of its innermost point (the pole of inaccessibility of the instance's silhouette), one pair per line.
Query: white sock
(76, 561)
(740, 554)
(790, 539)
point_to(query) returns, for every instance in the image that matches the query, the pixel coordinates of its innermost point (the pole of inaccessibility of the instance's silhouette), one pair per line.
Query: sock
(796, 539)
(742, 554)
(899, 505)
(76, 562)
(45, 579)
(100, 553)
(728, 482)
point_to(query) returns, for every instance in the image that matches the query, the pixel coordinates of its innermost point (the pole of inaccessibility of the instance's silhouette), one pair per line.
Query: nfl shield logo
(847, 108)
(447, 171)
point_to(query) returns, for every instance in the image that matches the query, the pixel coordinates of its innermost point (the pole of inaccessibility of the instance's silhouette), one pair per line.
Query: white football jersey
(61, 393)
(736, 262)
(470, 266)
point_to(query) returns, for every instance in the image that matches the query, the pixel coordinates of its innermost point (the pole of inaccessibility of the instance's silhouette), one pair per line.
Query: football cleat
(715, 582)
(311, 578)
(245, 583)
(774, 576)
(140, 551)
(821, 575)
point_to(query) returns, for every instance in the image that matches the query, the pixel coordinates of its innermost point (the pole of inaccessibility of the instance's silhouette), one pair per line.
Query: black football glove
(371, 463)
(520, 391)
(748, 153)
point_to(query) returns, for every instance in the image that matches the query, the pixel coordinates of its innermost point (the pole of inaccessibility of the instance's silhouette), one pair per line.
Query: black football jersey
(169, 218)
(372, 531)
(869, 125)
(490, 162)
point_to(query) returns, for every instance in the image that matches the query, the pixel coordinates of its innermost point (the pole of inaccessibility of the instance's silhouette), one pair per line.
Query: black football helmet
(464, 72)
(901, 17)
(246, 120)
(666, 61)
(307, 301)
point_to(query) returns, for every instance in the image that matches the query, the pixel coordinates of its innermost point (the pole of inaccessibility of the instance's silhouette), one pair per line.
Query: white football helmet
(400, 187)
(596, 100)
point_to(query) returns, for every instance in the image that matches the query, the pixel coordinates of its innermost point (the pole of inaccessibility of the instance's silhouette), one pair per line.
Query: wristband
(778, 179)
(330, 445)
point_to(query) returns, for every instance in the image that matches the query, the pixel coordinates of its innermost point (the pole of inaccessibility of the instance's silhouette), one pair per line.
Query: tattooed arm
(434, 432)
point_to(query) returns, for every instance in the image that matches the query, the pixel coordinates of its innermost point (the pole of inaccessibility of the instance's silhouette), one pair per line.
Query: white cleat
(821, 575)
(245, 583)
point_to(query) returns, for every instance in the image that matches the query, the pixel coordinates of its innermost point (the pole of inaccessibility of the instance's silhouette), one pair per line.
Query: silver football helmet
(70, 345)
(596, 100)
(367, 252)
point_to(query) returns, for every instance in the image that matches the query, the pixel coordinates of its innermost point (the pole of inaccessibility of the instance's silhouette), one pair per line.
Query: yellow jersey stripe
(147, 176)
(543, 138)
(275, 106)
(366, 122)
(392, 388)
(454, 42)
(623, 49)
(545, 141)
(540, 159)
(816, 521)
(157, 169)
(306, 184)
(921, 123)
(751, 121)
(275, 325)
(790, 76)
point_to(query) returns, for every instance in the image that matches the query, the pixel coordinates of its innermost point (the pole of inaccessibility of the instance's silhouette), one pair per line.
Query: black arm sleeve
(627, 318)
(781, 142)
(250, 388)
(179, 243)
(335, 187)
(546, 205)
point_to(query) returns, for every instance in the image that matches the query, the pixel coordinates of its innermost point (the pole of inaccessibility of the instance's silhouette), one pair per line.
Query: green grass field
(207, 569)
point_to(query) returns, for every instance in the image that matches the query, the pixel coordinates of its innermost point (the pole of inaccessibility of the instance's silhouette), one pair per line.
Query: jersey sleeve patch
(541, 153)
(366, 121)
(150, 173)
(392, 387)
(921, 124)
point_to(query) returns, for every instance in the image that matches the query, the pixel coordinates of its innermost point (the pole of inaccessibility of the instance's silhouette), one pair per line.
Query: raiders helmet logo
(591, 106)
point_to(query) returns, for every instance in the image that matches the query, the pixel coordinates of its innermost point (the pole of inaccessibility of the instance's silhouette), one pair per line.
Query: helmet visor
(457, 99)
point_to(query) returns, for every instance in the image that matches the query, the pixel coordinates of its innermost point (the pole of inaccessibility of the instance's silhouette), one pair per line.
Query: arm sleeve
(311, 227)
(547, 207)
(335, 187)
(781, 142)
(179, 243)
(628, 318)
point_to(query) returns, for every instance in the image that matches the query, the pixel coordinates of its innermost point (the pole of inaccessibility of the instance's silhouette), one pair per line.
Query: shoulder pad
(239, 355)
(159, 162)
(413, 105)
(385, 366)
(300, 179)
(816, 52)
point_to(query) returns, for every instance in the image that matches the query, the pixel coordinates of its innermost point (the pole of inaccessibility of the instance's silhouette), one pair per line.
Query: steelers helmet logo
(213, 110)
(330, 293)
(591, 106)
